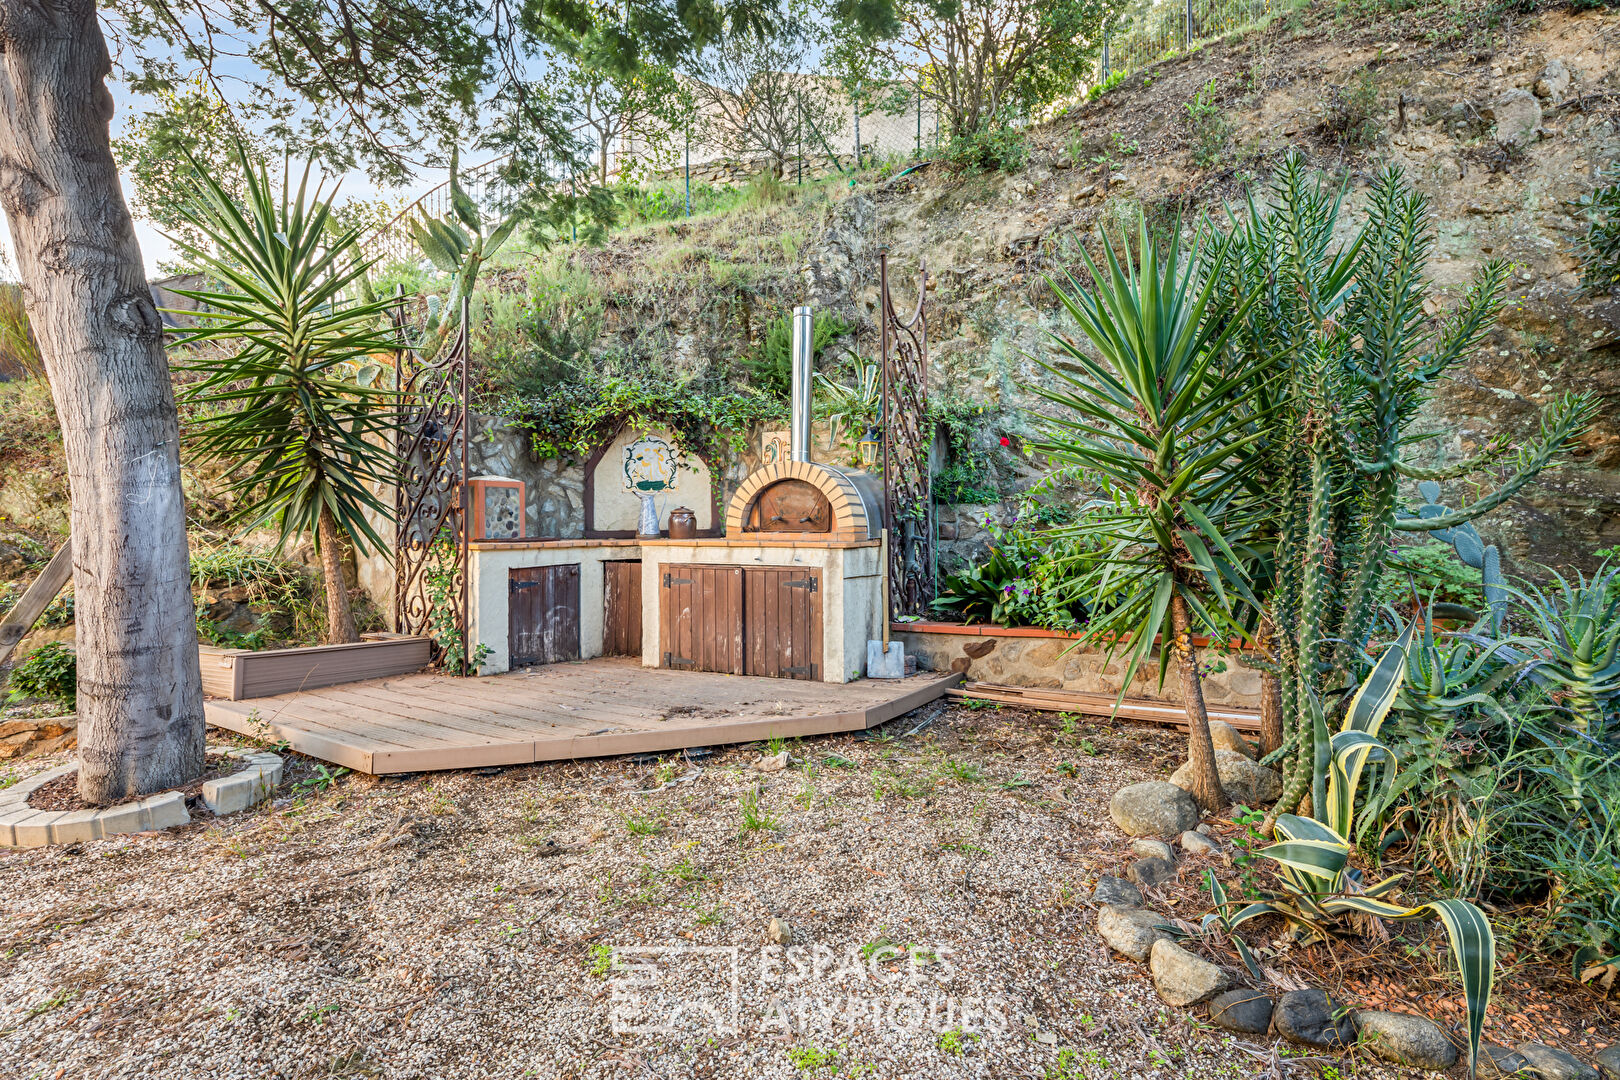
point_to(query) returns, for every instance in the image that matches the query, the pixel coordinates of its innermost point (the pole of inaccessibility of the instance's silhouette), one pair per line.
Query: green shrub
(770, 367)
(1352, 112)
(1598, 249)
(1113, 80)
(1029, 577)
(707, 414)
(50, 671)
(996, 145)
(1435, 569)
(1208, 130)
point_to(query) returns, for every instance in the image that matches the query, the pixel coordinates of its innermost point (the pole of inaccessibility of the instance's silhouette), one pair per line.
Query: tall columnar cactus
(1352, 357)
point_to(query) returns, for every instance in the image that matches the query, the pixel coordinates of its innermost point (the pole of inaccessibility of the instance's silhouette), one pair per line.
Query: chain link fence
(1148, 35)
(887, 126)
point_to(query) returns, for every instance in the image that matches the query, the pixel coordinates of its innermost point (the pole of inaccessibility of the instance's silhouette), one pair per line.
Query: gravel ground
(498, 923)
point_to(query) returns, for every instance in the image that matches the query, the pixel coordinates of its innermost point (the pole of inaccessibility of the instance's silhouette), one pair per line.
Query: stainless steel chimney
(803, 333)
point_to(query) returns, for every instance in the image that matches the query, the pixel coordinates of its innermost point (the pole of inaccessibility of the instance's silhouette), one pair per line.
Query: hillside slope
(1354, 87)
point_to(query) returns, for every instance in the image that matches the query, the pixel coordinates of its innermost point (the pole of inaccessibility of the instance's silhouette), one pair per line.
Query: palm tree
(284, 409)
(1159, 419)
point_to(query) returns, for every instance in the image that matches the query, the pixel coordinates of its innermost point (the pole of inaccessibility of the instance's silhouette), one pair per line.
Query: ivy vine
(707, 417)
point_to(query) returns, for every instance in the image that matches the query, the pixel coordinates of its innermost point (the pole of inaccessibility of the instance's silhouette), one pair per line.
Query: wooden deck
(595, 708)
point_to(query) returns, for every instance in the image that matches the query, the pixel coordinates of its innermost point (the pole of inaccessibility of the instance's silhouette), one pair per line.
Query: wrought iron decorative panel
(908, 436)
(430, 501)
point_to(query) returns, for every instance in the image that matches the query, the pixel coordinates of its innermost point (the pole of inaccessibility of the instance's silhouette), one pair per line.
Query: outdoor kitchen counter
(569, 611)
(753, 540)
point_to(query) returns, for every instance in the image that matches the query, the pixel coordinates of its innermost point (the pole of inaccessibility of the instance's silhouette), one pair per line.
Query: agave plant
(1573, 649)
(1157, 419)
(1319, 887)
(303, 443)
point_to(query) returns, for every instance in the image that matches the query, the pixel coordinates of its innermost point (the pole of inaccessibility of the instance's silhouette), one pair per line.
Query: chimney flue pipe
(803, 327)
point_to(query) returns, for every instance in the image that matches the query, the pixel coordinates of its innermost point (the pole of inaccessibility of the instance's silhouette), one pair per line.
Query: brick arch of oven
(850, 516)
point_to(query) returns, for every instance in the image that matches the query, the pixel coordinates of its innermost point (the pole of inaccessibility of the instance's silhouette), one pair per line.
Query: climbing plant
(707, 416)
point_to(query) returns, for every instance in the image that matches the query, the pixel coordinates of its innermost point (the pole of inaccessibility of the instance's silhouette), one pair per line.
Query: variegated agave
(1319, 887)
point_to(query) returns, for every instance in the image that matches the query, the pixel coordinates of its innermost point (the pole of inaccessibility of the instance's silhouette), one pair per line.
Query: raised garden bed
(236, 674)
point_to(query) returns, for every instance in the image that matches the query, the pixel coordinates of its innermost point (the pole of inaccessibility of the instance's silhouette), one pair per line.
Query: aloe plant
(1572, 646)
(1319, 888)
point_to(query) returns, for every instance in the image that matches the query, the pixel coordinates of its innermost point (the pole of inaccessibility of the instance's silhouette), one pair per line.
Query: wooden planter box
(235, 674)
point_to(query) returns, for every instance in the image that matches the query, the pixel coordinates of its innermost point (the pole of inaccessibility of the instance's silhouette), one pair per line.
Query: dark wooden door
(621, 607)
(700, 618)
(782, 622)
(543, 614)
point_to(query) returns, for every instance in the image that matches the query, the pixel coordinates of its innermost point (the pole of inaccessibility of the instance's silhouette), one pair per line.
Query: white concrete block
(34, 830)
(77, 826)
(121, 819)
(166, 811)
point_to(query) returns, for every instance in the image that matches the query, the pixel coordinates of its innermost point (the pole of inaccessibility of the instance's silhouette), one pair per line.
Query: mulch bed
(63, 792)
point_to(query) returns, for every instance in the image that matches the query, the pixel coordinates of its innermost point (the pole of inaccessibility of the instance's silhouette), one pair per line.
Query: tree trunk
(1271, 715)
(84, 286)
(1206, 781)
(339, 618)
(1271, 732)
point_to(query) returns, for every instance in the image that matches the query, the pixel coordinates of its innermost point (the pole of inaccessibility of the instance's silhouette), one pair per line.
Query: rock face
(36, 736)
(1309, 1017)
(1243, 781)
(1227, 737)
(1608, 1062)
(1154, 808)
(1116, 892)
(1517, 114)
(1248, 1011)
(1196, 843)
(1551, 1064)
(1181, 978)
(1151, 873)
(1553, 82)
(1130, 931)
(1405, 1040)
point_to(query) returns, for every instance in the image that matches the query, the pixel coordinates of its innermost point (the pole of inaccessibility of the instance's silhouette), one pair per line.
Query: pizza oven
(800, 498)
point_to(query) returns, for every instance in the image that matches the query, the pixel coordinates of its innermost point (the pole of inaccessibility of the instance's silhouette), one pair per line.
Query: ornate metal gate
(430, 500)
(908, 436)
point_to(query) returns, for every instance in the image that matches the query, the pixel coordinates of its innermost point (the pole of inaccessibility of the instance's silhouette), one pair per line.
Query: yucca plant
(853, 407)
(1319, 888)
(303, 444)
(1156, 419)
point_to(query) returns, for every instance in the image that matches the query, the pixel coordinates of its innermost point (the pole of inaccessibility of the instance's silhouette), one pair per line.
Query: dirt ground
(613, 918)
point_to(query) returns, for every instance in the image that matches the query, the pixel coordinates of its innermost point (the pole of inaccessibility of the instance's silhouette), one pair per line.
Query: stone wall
(1039, 660)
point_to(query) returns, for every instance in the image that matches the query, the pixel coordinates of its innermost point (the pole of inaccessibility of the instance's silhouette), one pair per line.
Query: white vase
(647, 527)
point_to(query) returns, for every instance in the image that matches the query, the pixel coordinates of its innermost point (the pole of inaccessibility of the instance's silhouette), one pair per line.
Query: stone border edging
(22, 826)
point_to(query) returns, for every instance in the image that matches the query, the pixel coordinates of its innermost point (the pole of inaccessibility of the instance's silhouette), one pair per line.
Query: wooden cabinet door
(782, 622)
(621, 607)
(700, 618)
(543, 614)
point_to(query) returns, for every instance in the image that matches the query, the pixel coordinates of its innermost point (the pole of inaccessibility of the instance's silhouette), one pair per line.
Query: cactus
(1471, 551)
(1353, 358)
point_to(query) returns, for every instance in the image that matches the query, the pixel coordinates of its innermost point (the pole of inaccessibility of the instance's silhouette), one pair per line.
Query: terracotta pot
(682, 524)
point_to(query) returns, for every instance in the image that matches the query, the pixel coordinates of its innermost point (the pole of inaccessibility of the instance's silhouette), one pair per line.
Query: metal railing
(1164, 29)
